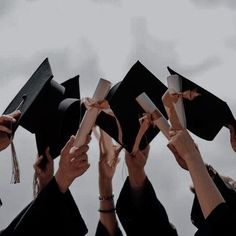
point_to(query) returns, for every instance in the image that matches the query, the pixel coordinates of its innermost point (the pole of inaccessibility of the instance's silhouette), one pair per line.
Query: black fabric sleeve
(52, 212)
(10, 228)
(221, 221)
(143, 215)
(102, 231)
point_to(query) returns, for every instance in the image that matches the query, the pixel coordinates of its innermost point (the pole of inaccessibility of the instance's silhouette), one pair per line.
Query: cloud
(6, 6)
(215, 3)
(230, 43)
(193, 70)
(66, 62)
(158, 54)
(154, 53)
(107, 1)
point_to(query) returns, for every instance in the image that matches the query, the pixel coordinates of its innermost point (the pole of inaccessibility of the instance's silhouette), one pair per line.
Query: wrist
(105, 190)
(105, 180)
(137, 180)
(193, 156)
(62, 182)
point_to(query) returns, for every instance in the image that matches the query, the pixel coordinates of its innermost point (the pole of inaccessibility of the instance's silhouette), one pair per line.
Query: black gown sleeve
(9, 229)
(221, 221)
(144, 215)
(52, 212)
(102, 231)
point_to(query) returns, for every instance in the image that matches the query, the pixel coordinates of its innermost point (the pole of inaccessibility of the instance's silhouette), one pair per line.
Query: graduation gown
(222, 219)
(102, 231)
(219, 222)
(144, 215)
(52, 212)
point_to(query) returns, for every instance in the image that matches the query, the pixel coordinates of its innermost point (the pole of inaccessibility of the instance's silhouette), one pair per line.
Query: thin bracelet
(106, 198)
(107, 211)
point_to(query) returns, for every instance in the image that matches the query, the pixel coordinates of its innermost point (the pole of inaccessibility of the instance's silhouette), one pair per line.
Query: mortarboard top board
(48, 109)
(122, 100)
(27, 95)
(205, 114)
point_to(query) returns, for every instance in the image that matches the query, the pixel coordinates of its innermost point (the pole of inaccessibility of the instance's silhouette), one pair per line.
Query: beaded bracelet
(106, 198)
(107, 211)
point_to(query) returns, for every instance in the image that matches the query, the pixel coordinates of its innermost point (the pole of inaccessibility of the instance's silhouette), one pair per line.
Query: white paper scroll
(174, 86)
(148, 106)
(91, 114)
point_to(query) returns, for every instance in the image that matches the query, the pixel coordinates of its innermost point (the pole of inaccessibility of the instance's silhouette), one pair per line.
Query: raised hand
(182, 146)
(106, 169)
(73, 163)
(6, 122)
(45, 175)
(136, 164)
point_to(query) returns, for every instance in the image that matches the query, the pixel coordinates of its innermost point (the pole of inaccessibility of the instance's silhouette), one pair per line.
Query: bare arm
(106, 173)
(208, 195)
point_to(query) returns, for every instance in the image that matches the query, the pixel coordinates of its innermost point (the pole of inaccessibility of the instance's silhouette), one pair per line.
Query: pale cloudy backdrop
(103, 38)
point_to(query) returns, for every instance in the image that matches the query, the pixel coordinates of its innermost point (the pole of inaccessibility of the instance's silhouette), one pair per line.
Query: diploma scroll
(173, 103)
(149, 107)
(91, 114)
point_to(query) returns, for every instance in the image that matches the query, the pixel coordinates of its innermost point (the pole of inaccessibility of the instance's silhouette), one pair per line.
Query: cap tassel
(15, 178)
(35, 185)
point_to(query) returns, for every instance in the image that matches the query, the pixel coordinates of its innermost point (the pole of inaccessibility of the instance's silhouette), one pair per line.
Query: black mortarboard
(228, 193)
(122, 100)
(205, 114)
(48, 109)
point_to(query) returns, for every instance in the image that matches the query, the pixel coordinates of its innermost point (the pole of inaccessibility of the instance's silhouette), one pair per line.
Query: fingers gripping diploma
(73, 163)
(182, 146)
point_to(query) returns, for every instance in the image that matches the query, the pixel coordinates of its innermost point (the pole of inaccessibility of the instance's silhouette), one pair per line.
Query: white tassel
(15, 178)
(35, 185)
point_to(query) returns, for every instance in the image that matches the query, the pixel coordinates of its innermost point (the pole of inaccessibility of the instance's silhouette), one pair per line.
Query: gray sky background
(102, 38)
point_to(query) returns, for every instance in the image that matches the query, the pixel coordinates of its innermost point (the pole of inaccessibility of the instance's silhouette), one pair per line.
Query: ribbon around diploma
(145, 122)
(188, 94)
(104, 106)
(170, 98)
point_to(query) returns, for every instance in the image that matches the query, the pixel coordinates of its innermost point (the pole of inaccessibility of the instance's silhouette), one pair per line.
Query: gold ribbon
(170, 98)
(104, 106)
(91, 103)
(188, 95)
(145, 122)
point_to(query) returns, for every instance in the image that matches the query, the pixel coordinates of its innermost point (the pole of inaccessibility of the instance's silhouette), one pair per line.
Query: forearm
(207, 193)
(137, 178)
(107, 207)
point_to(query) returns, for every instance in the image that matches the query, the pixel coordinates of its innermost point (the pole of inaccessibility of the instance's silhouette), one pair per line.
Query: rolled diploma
(90, 115)
(174, 85)
(148, 106)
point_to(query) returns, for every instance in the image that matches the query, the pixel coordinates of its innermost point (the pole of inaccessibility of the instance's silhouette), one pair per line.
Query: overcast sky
(104, 38)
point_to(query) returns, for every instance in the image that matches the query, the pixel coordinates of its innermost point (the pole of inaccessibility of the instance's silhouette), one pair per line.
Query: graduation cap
(122, 100)
(205, 114)
(48, 109)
